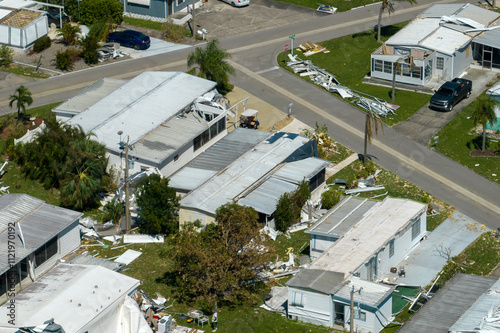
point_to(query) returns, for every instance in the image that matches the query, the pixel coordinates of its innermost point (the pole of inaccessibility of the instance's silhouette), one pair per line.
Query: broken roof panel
(446, 40)
(87, 259)
(316, 279)
(489, 38)
(478, 14)
(438, 10)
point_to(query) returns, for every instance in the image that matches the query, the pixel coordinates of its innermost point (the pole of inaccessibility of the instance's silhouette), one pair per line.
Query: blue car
(130, 38)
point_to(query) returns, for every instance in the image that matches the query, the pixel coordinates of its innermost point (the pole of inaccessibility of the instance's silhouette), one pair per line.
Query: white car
(238, 3)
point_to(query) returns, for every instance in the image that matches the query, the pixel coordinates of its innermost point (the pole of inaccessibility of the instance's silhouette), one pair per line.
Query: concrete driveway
(158, 46)
(425, 123)
(429, 257)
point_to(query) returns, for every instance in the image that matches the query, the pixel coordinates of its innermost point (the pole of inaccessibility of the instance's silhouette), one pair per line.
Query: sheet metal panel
(371, 293)
(316, 279)
(450, 302)
(414, 32)
(438, 10)
(265, 198)
(478, 14)
(446, 40)
(489, 38)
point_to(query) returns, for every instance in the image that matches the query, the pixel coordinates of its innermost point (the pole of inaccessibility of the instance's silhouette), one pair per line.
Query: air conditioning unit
(165, 324)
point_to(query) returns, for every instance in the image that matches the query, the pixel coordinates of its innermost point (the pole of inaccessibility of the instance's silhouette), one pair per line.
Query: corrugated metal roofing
(243, 173)
(360, 243)
(90, 95)
(141, 105)
(450, 302)
(371, 293)
(73, 295)
(216, 158)
(482, 308)
(39, 222)
(438, 10)
(494, 90)
(316, 279)
(489, 38)
(342, 217)
(478, 14)
(87, 259)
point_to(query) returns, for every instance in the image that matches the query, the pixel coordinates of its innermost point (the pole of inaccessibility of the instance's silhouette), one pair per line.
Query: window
(387, 67)
(209, 134)
(298, 299)
(360, 315)
(415, 229)
(406, 70)
(377, 65)
(179, 2)
(440, 63)
(391, 248)
(417, 72)
(47, 251)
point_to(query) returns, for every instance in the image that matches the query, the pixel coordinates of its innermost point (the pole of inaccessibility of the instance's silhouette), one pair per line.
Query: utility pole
(352, 311)
(194, 25)
(127, 198)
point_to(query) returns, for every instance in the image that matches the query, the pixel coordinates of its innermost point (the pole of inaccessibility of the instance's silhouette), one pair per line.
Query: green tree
(372, 123)
(329, 198)
(93, 11)
(289, 207)
(212, 63)
(159, 206)
(218, 260)
(69, 33)
(6, 55)
(389, 6)
(483, 112)
(22, 98)
(90, 44)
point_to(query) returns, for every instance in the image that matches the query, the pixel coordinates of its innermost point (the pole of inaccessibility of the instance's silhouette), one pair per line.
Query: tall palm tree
(212, 63)
(373, 122)
(22, 97)
(389, 6)
(484, 112)
(69, 33)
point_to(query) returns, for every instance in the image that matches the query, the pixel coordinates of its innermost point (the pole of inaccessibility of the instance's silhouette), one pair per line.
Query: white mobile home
(438, 43)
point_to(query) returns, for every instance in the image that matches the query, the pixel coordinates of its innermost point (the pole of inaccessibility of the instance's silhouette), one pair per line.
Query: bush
(173, 32)
(329, 199)
(100, 30)
(93, 11)
(368, 169)
(41, 44)
(6, 54)
(69, 33)
(64, 60)
(89, 49)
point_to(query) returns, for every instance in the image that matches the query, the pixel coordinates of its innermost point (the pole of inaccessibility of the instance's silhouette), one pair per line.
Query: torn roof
(370, 293)
(483, 315)
(250, 171)
(441, 27)
(39, 221)
(140, 106)
(342, 217)
(377, 227)
(74, 295)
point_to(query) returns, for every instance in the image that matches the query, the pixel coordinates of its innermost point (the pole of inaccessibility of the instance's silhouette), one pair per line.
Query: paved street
(254, 58)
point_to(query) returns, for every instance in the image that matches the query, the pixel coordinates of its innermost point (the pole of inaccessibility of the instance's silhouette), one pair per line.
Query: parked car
(238, 3)
(130, 38)
(450, 93)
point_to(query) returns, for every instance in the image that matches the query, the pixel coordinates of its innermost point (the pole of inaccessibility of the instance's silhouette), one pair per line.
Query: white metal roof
(141, 105)
(494, 90)
(74, 295)
(369, 293)
(446, 40)
(414, 32)
(4, 12)
(17, 4)
(244, 173)
(361, 242)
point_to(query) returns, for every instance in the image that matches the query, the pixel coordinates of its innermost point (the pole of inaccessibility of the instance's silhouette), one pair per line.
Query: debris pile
(331, 84)
(109, 51)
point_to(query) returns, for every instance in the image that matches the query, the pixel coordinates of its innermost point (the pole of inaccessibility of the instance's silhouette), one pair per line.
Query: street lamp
(125, 146)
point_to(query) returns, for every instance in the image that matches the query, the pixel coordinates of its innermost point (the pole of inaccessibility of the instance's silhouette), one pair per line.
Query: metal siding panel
(69, 239)
(156, 9)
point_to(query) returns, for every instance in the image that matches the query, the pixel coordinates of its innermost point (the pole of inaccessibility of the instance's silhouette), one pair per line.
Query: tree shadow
(362, 34)
(386, 31)
(476, 143)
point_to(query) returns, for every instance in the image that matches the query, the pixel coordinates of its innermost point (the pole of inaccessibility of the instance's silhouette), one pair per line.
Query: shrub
(6, 54)
(89, 49)
(41, 44)
(93, 11)
(329, 199)
(69, 33)
(174, 32)
(64, 60)
(100, 30)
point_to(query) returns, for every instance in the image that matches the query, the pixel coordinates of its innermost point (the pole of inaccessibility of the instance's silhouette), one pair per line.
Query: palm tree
(22, 97)
(69, 33)
(389, 5)
(373, 121)
(484, 112)
(212, 63)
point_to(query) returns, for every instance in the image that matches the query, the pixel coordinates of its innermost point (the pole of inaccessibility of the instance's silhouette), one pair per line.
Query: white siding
(69, 239)
(317, 308)
(318, 244)
(372, 324)
(462, 60)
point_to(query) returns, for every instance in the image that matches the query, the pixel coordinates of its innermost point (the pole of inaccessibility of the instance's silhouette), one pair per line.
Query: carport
(486, 49)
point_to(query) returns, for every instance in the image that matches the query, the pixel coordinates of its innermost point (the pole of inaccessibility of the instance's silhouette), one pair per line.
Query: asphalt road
(254, 58)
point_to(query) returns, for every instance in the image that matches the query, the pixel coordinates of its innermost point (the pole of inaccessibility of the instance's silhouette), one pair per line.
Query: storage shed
(21, 27)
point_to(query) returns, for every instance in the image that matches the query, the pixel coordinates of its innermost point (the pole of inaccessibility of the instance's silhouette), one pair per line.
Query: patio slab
(429, 257)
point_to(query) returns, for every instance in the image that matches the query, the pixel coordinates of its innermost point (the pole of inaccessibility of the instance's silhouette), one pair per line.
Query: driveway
(429, 257)
(158, 46)
(425, 123)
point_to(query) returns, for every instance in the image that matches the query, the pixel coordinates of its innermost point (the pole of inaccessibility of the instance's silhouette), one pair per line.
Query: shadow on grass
(387, 31)
(476, 143)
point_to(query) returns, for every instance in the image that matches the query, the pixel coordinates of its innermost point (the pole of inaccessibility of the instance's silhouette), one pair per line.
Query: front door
(339, 314)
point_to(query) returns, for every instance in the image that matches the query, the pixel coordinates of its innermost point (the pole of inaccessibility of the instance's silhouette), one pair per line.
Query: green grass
(349, 61)
(26, 71)
(457, 141)
(396, 187)
(143, 23)
(341, 5)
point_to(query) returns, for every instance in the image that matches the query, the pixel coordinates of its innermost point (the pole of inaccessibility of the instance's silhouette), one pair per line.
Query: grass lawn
(143, 23)
(456, 141)
(341, 5)
(396, 187)
(349, 61)
(26, 71)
